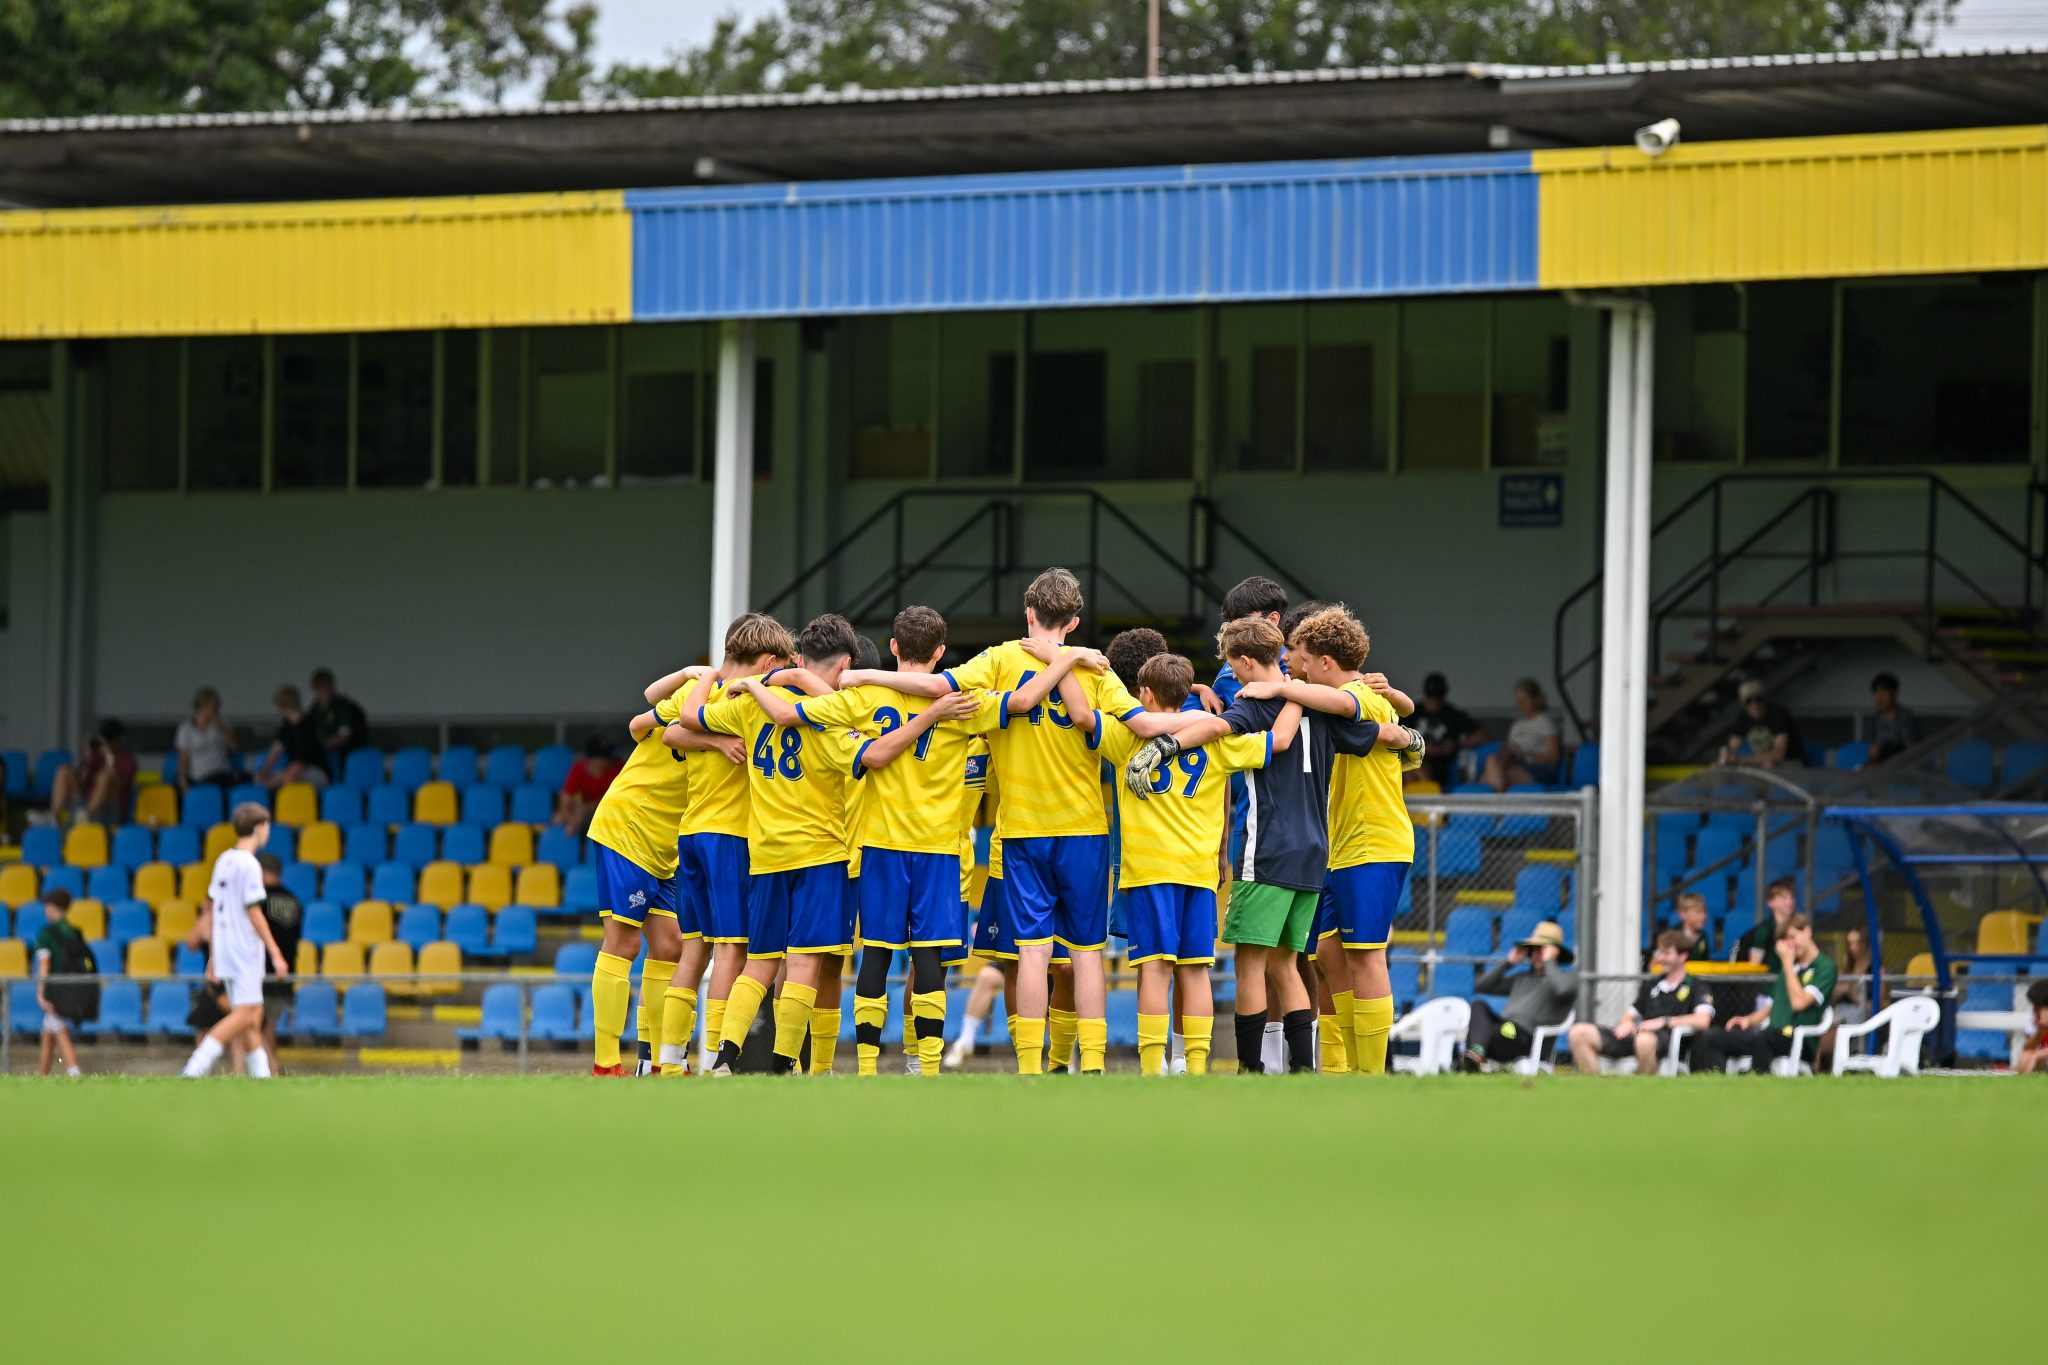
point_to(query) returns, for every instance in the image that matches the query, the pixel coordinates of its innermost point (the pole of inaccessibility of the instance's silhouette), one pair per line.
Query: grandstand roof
(854, 132)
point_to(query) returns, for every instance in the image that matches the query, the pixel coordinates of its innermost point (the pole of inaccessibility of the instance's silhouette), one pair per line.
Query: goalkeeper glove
(1155, 754)
(1411, 757)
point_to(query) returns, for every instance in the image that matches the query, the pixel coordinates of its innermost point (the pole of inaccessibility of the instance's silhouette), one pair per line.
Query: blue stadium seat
(579, 891)
(70, 879)
(284, 842)
(1121, 1010)
(500, 1017)
(47, 763)
(1568, 922)
(121, 1009)
(178, 845)
(1468, 931)
(169, 1003)
(418, 925)
(314, 1006)
(345, 882)
(1969, 765)
(325, 923)
(1406, 974)
(551, 764)
(21, 1005)
(342, 805)
(189, 961)
(1454, 978)
(457, 765)
(1985, 1044)
(134, 845)
(577, 958)
(1781, 854)
(515, 932)
(202, 807)
(411, 769)
(108, 884)
(468, 928)
(362, 1011)
(484, 804)
(302, 880)
(365, 843)
(505, 766)
(561, 848)
(387, 805)
(1833, 854)
(1586, 766)
(532, 804)
(42, 846)
(1849, 756)
(464, 843)
(129, 920)
(416, 845)
(19, 774)
(363, 769)
(248, 793)
(1520, 826)
(1716, 842)
(1519, 922)
(29, 920)
(2022, 759)
(1457, 845)
(554, 1015)
(393, 882)
(106, 956)
(1540, 886)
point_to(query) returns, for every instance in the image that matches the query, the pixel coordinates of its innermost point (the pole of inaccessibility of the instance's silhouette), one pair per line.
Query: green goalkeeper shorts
(1270, 916)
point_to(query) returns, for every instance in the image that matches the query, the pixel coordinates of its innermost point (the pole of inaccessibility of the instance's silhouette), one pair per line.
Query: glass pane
(764, 419)
(459, 396)
(570, 388)
(1788, 339)
(508, 405)
(977, 395)
(1349, 359)
(142, 415)
(1532, 355)
(660, 385)
(395, 410)
(1443, 384)
(312, 413)
(1697, 407)
(1937, 373)
(1257, 354)
(225, 381)
(1111, 394)
(26, 427)
(889, 396)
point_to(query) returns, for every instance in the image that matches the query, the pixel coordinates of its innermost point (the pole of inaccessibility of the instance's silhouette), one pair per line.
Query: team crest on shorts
(636, 900)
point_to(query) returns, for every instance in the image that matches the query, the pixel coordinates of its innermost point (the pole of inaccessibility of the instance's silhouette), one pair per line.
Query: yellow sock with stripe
(1152, 1031)
(654, 979)
(1061, 1027)
(1197, 1032)
(928, 1010)
(1029, 1036)
(740, 1008)
(611, 991)
(678, 1022)
(824, 1039)
(1370, 1020)
(793, 1019)
(1094, 1044)
(870, 1015)
(1342, 1028)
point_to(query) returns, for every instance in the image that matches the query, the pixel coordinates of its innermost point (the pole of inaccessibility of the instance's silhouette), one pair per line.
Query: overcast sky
(643, 31)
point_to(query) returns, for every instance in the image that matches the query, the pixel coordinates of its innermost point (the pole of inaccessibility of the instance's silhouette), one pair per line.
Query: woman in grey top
(1534, 750)
(205, 745)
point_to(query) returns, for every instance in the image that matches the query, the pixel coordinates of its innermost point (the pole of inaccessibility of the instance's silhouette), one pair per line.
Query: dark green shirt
(1817, 976)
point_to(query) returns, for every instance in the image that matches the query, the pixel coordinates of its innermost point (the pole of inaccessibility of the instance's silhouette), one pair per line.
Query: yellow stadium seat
(435, 804)
(320, 843)
(341, 959)
(156, 805)
(193, 882)
(13, 957)
(391, 959)
(175, 918)
(440, 884)
(86, 846)
(219, 839)
(1422, 787)
(440, 959)
(2005, 931)
(490, 886)
(370, 922)
(149, 957)
(540, 885)
(89, 917)
(297, 804)
(155, 883)
(512, 845)
(309, 960)
(18, 884)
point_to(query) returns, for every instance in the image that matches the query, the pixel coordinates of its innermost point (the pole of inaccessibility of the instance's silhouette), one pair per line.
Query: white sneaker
(956, 1057)
(1177, 1067)
(913, 1065)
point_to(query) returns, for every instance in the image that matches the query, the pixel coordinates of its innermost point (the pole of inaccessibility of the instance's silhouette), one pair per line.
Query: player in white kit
(241, 937)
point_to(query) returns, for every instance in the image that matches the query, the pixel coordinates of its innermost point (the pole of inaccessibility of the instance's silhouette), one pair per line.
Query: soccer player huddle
(788, 809)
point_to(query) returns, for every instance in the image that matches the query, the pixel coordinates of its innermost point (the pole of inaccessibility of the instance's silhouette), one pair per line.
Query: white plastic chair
(1438, 1024)
(1911, 1018)
(1543, 1050)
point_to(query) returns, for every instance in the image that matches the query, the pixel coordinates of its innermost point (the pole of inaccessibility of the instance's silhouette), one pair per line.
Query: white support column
(732, 488)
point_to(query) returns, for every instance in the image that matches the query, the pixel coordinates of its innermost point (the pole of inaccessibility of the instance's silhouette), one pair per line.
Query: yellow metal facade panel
(1884, 204)
(373, 265)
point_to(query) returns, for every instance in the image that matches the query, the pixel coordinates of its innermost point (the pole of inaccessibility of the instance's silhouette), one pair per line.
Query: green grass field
(1460, 1218)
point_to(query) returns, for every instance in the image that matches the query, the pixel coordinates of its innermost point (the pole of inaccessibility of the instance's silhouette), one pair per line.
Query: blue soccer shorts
(909, 900)
(1172, 923)
(801, 910)
(992, 937)
(711, 887)
(1363, 899)
(1058, 890)
(628, 892)
(958, 952)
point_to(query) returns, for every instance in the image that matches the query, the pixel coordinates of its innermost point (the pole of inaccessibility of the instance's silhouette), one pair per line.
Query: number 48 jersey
(1175, 836)
(796, 781)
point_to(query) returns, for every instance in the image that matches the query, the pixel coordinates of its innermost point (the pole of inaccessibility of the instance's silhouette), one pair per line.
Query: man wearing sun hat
(1539, 996)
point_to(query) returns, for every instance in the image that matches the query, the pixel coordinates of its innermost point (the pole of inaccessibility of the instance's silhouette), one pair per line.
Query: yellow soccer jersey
(1175, 837)
(1368, 814)
(995, 851)
(796, 801)
(913, 802)
(718, 789)
(642, 809)
(970, 803)
(1051, 772)
(854, 792)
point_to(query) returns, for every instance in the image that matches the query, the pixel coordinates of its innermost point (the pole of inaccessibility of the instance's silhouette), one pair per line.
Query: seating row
(318, 1011)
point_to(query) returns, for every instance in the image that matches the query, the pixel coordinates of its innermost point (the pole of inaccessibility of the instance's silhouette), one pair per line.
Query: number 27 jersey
(796, 781)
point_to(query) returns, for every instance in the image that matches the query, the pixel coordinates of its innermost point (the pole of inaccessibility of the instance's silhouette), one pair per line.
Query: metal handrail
(1205, 519)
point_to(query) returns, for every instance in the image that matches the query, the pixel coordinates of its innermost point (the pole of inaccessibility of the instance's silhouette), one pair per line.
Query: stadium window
(1697, 402)
(569, 392)
(1788, 344)
(764, 418)
(25, 431)
(141, 415)
(1937, 372)
(1110, 394)
(395, 410)
(892, 387)
(504, 451)
(1532, 353)
(461, 391)
(977, 359)
(1066, 404)
(1258, 353)
(310, 433)
(1345, 347)
(1444, 363)
(224, 406)
(662, 382)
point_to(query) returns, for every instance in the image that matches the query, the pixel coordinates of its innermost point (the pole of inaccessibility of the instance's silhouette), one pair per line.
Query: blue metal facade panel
(1290, 230)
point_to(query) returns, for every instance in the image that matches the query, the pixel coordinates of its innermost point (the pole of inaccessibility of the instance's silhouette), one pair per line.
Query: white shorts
(55, 1023)
(244, 990)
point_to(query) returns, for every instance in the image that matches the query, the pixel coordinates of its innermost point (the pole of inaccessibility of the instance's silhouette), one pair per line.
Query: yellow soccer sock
(611, 990)
(931, 1051)
(1152, 1031)
(654, 979)
(740, 1008)
(1094, 1044)
(1330, 1055)
(824, 1039)
(714, 1022)
(870, 1014)
(1061, 1026)
(1370, 1020)
(678, 1022)
(1346, 1009)
(1196, 1032)
(1029, 1036)
(793, 1018)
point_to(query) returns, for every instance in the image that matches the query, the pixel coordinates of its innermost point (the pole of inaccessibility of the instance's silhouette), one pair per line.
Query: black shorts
(1614, 1049)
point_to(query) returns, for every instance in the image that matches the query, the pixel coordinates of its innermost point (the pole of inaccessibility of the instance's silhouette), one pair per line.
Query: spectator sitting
(60, 951)
(1540, 997)
(205, 745)
(1446, 728)
(1852, 981)
(1534, 748)
(1755, 947)
(97, 788)
(1764, 735)
(1893, 729)
(296, 754)
(1673, 1000)
(589, 778)
(1799, 994)
(1692, 924)
(339, 722)
(2034, 1056)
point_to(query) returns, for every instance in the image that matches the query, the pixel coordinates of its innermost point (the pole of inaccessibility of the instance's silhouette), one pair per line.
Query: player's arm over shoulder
(1240, 753)
(726, 717)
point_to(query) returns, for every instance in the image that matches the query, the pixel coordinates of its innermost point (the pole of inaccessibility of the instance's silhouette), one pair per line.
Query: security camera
(1658, 138)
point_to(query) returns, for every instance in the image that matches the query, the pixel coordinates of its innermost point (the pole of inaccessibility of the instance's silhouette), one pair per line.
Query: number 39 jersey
(796, 784)
(1175, 836)
(913, 804)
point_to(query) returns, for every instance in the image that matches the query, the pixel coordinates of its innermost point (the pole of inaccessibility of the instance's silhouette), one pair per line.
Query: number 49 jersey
(913, 804)
(797, 784)
(1175, 837)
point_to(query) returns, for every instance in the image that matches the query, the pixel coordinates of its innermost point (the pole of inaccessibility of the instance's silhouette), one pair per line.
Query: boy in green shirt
(1799, 996)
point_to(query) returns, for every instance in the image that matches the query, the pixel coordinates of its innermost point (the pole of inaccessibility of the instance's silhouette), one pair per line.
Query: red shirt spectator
(590, 777)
